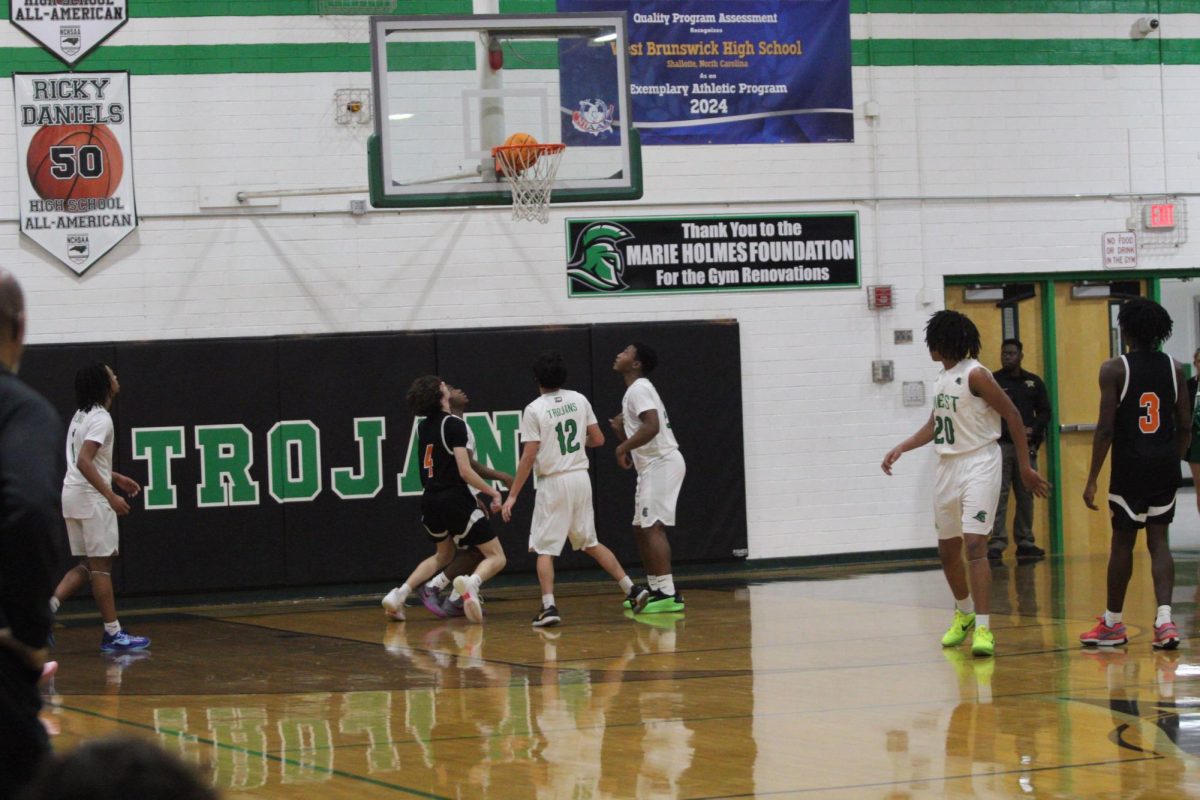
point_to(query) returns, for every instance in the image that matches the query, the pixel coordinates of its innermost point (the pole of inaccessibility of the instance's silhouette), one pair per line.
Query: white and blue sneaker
(122, 642)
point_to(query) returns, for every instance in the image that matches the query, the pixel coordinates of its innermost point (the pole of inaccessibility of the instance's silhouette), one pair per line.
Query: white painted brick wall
(816, 426)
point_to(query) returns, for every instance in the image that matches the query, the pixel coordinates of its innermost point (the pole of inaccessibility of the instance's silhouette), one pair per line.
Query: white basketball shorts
(562, 510)
(966, 491)
(658, 486)
(94, 536)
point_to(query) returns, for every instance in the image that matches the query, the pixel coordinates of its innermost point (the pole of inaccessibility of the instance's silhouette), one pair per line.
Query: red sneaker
(1105, 636)
(1166, 636)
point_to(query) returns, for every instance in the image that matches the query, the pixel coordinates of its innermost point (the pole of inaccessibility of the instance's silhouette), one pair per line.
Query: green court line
(222, 745)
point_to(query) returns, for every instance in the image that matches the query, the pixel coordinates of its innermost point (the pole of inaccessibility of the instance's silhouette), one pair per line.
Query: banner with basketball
(68, 28)
(720, 72)
(75, 170)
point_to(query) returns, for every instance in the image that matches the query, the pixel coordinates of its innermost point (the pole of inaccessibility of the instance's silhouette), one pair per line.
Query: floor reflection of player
(971, 732)
(1143, 713)
(472, 721)
(571, 721)
(1023, 577)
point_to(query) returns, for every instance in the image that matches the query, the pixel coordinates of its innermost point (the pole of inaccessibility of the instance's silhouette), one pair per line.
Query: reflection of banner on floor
(710, 72)
(75, 179)
(712, 254)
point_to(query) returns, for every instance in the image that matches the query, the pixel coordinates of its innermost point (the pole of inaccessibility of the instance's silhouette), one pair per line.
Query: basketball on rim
(524, 157)
(87, 162)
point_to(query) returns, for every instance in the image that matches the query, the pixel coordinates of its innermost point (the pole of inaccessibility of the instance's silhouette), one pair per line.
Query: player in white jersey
(644, 432)
(555, 430)
(964, 426)
(90, 505)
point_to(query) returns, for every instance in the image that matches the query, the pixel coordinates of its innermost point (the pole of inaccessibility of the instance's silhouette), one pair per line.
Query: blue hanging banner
(720, 72)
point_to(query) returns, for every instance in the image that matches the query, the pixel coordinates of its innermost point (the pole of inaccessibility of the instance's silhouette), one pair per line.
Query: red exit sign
(1159, 216)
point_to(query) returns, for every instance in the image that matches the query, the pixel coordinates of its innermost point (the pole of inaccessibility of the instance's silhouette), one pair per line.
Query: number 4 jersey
(962, 422)
(1145, 453)
(559, 420)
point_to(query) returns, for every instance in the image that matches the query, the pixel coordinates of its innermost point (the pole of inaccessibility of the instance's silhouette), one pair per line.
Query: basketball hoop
(530, 170)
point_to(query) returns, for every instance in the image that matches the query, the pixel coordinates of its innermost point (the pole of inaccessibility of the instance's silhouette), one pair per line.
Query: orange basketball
(69, 162)
(524, 158)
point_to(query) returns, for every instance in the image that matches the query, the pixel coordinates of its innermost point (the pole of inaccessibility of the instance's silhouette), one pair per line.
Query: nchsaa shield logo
(77, 248)
(70, 38)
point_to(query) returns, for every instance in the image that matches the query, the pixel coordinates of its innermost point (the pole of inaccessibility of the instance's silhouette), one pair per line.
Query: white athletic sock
(112, 628)
(667, 584)
(547, 600)
(626, 584)
(654, 582)
(983, 620)
(405, 591)
(439, 581)
(1164, 616)
(1111, 619)
(475, 581)
(966, 606)
(54, 604)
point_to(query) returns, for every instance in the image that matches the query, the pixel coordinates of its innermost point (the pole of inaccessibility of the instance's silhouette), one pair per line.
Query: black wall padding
(331, 380)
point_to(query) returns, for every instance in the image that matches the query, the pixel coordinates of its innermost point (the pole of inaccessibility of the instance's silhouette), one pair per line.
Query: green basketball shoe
(957, 633)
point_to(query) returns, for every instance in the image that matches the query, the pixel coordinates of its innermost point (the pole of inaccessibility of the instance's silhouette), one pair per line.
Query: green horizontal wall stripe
(270, 8)
(1023, 6)
(355, 57)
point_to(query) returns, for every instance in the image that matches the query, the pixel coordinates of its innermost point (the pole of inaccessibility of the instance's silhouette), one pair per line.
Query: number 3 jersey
(962, 422)
(558, 420)
(1145, 453)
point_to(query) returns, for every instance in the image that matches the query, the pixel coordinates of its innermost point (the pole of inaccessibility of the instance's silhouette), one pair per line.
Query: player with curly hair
(964, 426)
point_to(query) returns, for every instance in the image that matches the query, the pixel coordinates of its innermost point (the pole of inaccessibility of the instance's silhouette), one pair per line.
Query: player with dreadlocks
(964, 426)
(1145, 417)
(91, 505)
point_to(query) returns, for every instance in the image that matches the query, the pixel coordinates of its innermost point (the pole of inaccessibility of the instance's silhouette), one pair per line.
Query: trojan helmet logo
(596, 262)
(593, 116)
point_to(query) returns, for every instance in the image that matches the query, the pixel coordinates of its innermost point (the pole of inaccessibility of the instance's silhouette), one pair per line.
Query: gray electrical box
(882, 371)
(914, 393)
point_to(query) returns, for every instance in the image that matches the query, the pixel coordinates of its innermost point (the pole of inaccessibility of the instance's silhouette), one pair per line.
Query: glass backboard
(447, 89)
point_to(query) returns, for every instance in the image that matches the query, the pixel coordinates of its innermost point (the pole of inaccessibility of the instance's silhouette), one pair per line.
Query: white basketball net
(530, 186)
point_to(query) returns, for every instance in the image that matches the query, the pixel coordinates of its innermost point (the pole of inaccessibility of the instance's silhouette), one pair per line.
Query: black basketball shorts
(453, 512)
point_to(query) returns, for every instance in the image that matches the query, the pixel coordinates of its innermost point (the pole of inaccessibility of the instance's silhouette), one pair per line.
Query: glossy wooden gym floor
(825, 682)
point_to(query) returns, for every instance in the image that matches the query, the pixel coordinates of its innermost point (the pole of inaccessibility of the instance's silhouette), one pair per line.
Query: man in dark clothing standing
(1028, 393)
(31, 470)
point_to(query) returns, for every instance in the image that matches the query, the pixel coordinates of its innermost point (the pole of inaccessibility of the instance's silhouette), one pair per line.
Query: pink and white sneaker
(1166, 636)
(1104, 636)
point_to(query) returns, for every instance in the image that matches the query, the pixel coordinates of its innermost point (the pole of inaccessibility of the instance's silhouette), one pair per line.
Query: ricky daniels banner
(712, 254)
(75, 170)
(726, 71)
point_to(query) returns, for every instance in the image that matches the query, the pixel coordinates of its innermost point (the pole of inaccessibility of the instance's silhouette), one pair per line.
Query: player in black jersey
(448, 511)
(1145, 416)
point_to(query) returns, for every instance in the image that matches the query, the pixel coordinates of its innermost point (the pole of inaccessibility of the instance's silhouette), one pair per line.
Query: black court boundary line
(940, 779)
(1048, 695)
(279, 759)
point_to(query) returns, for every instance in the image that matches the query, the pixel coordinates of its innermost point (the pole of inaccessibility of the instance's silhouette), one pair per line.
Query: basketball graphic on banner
(70, 162)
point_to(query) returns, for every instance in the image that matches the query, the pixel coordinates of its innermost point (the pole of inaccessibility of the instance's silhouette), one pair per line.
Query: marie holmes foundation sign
(68, 28)
(668, 255)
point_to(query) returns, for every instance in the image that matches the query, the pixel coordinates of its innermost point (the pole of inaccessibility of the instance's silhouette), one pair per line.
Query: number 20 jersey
(962, 422)
(1145, 454)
